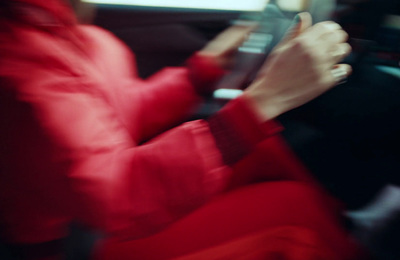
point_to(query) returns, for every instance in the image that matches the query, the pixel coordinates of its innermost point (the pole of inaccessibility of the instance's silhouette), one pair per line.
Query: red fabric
(204, 73)
(281, 243)
(74, 118)
(235, 137)
(44, 14)
(238, 216)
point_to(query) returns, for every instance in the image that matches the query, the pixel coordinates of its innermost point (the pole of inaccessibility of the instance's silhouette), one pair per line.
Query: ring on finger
(339, 74)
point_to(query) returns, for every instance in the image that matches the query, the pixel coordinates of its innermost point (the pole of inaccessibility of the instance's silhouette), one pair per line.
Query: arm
(171, 95)
(114, 184)
(94, 167)
(69, 155)
(272, 94)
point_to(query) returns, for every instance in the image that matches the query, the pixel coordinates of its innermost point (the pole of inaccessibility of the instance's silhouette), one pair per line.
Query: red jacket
(74, 115)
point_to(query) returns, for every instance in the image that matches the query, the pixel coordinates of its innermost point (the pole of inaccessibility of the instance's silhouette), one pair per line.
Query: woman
(76, 120)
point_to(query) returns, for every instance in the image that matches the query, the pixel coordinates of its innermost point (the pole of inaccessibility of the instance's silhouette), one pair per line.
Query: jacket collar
(43, 13)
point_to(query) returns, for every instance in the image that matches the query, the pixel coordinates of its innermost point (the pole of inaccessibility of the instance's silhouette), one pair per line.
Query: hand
(222, 49)
(300, 68)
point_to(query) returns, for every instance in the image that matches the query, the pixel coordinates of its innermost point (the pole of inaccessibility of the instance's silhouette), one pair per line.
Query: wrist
(263, 107)
(237, 129)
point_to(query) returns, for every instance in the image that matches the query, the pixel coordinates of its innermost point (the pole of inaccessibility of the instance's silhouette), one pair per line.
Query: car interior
(364, 173)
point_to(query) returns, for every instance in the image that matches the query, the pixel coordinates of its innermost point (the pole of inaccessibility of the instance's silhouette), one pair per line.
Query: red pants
(242, 213)
(288, 216)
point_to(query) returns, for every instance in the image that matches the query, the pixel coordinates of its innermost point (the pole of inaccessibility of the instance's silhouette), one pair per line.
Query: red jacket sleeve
(67, 146)
(70, 142)
(112, 183)
(146, 107)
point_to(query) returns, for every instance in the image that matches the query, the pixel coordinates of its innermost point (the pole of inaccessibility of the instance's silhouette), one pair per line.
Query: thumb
(300, 23)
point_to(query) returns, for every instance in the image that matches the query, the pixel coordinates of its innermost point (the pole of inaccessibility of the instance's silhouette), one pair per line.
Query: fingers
(327, 42)
(305, 21)
(338, 74)
(234, 36)
(223, 47)
(323, 29)
(301, 69)
(341, 51)
(325, 34)
(301, 22)
(335, 36)
(229, 40)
